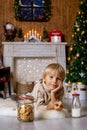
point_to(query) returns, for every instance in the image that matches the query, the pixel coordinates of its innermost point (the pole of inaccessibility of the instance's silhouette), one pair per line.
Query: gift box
(55, 36)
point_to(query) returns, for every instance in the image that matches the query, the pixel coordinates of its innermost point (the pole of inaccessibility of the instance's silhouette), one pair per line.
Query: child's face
(52, 80)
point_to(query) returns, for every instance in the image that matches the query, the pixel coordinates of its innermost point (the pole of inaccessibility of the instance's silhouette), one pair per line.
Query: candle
(35, 32)
(37, 35)
(27, 35)
(25, 38)
(30, 33)
(40, 37)
(55, 38)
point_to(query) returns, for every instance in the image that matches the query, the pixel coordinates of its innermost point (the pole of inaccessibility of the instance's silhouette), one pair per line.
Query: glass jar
(76, 105)
(25, 110)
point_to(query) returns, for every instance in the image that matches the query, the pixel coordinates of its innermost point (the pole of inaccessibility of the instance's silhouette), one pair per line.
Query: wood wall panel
(63, 17)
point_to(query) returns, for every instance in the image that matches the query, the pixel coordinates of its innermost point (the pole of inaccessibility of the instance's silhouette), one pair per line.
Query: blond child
(48, 92)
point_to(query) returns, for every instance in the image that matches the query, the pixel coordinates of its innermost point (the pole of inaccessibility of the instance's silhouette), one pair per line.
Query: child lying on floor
(49, 91)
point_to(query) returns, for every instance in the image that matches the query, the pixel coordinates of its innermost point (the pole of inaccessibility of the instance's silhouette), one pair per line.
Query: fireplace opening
(28, 70)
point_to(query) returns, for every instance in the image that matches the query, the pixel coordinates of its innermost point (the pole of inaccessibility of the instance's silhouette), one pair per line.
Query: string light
(77, 55)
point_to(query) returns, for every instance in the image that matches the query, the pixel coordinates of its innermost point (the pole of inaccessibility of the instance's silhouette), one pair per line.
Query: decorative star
(81, 74)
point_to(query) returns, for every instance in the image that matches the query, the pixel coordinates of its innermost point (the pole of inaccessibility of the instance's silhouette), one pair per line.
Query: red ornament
(55, 36)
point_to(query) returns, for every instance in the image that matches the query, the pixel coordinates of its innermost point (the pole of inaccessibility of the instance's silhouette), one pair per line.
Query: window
(32, 10)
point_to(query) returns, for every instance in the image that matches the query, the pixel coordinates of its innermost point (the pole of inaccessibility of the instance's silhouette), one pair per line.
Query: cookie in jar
(25, 110)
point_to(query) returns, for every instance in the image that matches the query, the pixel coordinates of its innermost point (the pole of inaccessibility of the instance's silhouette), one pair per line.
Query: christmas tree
(77, 59)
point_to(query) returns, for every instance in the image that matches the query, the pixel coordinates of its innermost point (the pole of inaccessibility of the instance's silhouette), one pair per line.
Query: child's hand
(54, 91)
(50, 107)
(58, 106)
(58, 87)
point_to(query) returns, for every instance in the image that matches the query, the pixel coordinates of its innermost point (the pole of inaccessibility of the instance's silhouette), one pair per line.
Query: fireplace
(27, 60)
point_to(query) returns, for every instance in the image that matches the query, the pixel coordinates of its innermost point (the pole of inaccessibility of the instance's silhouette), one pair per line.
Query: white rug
(52, 114)
(8, 107)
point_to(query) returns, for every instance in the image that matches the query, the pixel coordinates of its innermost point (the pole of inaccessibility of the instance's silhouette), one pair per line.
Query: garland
(16, 9)
(47, 9)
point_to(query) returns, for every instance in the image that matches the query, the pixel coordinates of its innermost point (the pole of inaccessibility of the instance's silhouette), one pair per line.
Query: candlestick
(25, 38)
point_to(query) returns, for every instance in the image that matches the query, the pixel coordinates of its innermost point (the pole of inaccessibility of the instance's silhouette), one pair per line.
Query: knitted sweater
(42, 95)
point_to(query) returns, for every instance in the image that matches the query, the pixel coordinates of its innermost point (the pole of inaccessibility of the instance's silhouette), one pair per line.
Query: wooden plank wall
(63, 18)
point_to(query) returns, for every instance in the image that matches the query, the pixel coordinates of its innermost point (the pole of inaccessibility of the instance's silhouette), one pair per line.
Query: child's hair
(55, 67)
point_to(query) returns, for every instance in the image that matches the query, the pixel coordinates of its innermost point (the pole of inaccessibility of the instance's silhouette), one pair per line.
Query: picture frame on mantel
(32, 10)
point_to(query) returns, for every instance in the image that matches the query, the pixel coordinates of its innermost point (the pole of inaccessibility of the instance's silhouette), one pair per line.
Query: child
(48, 92)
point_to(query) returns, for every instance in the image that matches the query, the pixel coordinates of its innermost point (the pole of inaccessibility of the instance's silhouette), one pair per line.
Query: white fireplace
(27, 60)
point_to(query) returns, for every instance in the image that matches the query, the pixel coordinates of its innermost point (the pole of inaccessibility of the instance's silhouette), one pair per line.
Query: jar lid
(27, 97)
(75, 94)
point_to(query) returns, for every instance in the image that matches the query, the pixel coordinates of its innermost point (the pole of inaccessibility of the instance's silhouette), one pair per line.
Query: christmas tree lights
(77, 67)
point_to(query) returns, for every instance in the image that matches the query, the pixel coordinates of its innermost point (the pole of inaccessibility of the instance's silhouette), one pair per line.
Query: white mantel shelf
(37, 49)
(40, 50)
(33, 49)
(29, 43)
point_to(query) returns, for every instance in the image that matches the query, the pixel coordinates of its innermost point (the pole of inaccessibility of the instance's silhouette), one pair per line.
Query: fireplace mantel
(13, 50)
